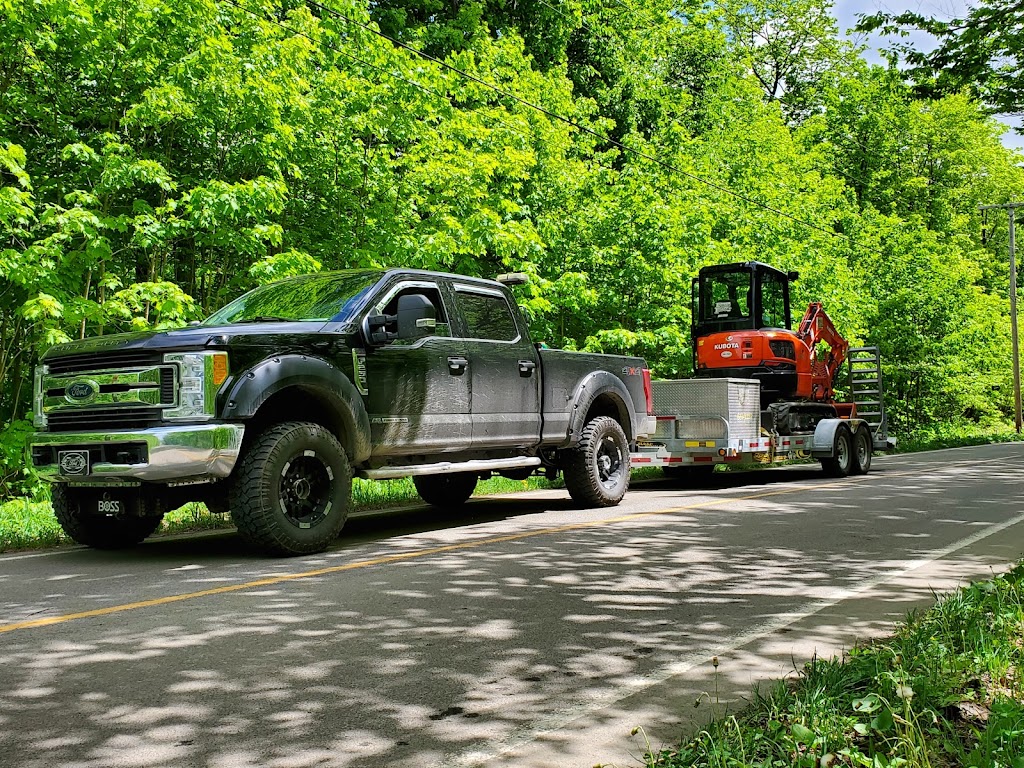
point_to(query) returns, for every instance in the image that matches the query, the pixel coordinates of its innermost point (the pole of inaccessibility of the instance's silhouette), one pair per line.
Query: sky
(847, 11)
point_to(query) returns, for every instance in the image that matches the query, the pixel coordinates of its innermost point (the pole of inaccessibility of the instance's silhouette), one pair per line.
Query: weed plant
(946, 690)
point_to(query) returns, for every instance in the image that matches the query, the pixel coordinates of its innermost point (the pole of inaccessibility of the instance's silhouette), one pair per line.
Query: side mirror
(793, 275)
(416, 316)
(377, 329)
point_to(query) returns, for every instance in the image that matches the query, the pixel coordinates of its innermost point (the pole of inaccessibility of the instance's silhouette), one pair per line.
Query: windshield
(321, 297)
(726, 296)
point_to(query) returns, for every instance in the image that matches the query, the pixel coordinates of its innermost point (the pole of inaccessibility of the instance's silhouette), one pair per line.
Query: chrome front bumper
(187, 453)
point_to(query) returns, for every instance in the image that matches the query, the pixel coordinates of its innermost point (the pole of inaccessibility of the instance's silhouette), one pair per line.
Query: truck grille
(101, 361)
(110, 390)
(103, 419)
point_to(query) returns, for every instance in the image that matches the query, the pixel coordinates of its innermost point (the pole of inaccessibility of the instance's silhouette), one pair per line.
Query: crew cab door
(417, 390)
(504, 369)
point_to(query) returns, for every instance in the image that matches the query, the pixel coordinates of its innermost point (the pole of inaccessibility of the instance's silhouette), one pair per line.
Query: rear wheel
(290, 493)
(78, 512)
(449, 490)
(862, 449)
(840, 463)
(596, 471)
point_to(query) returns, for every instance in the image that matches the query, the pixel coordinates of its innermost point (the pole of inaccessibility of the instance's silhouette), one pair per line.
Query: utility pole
(1010, 208)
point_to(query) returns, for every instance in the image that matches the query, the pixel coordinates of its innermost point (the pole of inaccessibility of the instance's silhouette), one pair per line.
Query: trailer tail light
(648, 395)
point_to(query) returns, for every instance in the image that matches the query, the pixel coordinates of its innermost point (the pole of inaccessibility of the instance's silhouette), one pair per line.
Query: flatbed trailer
(705, 422)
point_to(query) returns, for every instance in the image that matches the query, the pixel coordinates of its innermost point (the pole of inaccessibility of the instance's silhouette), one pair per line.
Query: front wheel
(840, 463)
(862, 449)
(596, 471)
(290, 493)
(445, 490)
(82, 513)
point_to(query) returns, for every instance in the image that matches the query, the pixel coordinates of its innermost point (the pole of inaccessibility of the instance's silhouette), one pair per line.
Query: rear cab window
(486, 314)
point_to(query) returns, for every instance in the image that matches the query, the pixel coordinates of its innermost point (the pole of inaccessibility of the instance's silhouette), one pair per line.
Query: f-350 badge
(359, 371)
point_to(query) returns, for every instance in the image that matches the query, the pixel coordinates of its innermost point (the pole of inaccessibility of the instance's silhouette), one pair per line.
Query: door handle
(526, 367)
(457, 365)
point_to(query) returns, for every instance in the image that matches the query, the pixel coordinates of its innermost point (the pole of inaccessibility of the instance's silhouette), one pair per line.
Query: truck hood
(190, 337)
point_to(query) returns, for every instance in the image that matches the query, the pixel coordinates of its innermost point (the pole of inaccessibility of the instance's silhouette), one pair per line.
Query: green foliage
(159, 158)
(942, 691)
(980, 52)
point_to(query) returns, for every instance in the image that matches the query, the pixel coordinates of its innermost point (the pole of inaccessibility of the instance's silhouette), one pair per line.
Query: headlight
(38, 417)
(200, 375)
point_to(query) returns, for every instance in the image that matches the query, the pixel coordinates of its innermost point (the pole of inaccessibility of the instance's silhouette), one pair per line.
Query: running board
(447, 467)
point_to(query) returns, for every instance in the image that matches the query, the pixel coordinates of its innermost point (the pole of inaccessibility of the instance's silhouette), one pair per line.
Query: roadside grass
(955, 435)
(946, 690)
(28, 524)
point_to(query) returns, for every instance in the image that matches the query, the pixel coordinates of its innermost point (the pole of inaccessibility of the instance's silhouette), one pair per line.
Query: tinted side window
(487, 317)
(773, 302)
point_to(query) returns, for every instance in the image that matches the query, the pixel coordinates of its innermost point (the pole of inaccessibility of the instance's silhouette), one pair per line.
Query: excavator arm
(816, 328)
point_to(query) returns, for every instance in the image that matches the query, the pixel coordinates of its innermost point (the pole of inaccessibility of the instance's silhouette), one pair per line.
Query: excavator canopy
(746, 296)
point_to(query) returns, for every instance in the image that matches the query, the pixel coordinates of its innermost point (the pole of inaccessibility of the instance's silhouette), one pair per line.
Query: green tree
(979, 53)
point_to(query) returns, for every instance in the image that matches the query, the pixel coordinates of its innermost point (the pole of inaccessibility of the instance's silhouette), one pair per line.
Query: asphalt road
(519, 631)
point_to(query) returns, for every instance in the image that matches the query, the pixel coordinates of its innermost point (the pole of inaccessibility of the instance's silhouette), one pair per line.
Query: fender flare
(593, 386)
(312, 375)
(823, 446)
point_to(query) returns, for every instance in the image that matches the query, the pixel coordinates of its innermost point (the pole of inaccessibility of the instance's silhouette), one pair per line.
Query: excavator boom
(817, 328)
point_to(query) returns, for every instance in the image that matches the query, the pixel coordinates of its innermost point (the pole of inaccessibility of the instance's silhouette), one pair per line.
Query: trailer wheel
(862, 449)
(596, 471)
(290, 493)
(76, 509)
(840, 463)
(449, 490)
(690, 475)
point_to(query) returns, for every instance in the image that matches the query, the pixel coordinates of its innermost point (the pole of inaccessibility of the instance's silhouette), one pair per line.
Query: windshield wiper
(265, 319)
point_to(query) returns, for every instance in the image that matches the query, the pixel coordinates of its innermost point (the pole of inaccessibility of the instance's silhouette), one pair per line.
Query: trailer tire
(290, 493)
(449, 490)
(862, 449)
(102, 531)
(596, 472)
(840, 463)
(689, 475)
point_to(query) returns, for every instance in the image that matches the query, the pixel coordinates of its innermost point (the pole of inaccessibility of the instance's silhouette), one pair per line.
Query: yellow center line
(396, 558)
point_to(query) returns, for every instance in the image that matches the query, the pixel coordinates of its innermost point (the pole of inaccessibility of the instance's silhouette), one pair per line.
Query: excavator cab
(736, 297)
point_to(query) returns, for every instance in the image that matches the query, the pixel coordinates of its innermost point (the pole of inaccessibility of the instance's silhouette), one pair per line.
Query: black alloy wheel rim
(609, 462)
(305, 491)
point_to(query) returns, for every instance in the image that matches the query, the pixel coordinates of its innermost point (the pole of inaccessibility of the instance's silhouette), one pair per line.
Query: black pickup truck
(269, 407)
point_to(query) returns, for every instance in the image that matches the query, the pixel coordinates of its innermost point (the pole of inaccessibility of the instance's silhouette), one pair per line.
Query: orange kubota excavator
(742, 329)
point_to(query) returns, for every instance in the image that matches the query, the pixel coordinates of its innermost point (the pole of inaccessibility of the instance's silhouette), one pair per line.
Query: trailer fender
(604, 386)
(331, 390)
(824, 441)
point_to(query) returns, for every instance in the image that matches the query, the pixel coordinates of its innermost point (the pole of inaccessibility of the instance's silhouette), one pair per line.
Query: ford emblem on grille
(81, 391)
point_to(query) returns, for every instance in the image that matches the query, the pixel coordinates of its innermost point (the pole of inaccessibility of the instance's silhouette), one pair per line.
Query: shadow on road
(426, 661)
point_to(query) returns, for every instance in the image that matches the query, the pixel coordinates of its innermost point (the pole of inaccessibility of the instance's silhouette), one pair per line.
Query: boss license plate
(109, 506)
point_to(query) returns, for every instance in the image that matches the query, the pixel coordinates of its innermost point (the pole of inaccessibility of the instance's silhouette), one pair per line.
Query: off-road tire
(689, 475)
(596, 472)
(450, 490)
(290, 493)
(862, 449)
(101, 531)
(841, 462)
